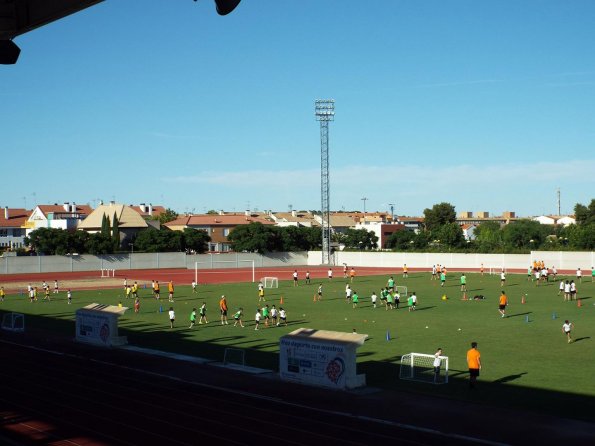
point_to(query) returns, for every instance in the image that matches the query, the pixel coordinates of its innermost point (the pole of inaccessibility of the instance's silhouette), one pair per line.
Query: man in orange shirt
(502, 304)
(351, 275)
(223, 309)
(170, 288)
(474, 364)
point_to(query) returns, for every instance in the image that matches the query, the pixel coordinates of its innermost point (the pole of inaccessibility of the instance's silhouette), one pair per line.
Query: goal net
(496, 270)
(13, 322)
(420, 367)
(270, 282)
(234, 356)
(402, 290)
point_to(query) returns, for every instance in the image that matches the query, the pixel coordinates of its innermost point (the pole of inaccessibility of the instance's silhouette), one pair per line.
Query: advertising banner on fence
(320, 357)
(98, 324)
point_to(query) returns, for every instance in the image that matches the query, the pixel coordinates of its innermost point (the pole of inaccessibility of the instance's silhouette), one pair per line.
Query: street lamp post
(364, 200)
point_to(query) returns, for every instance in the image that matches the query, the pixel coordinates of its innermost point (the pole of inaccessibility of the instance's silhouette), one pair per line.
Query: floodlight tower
(325, 112)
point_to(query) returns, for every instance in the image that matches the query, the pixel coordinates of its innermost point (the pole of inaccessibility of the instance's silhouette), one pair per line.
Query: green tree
(525, 234)
(159, 240)
(439, 215)
(580, 237)
(488, 236)
(196, 239)
(402, 240)
(360, 239)
(77, 242)
(48, 241)
(254, 237)
(99, 244)
(116, 232)
(450, 235)
(105, 226)
(585, 215)
(167, 216)
(299, 238)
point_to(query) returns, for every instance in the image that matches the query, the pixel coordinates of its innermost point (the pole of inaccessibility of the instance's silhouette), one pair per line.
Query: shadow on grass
(50, 332)
(582, 339)
(519, 314)
(508, 378)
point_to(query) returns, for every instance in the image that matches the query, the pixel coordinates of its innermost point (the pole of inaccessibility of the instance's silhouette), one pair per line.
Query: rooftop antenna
(559, 211)
(392, 212)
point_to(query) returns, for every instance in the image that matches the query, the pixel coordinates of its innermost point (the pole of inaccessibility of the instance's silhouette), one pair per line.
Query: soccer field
(526, 359)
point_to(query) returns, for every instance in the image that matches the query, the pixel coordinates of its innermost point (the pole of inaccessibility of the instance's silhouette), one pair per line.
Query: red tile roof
(59, 209)
(16, 218)
(216, 220)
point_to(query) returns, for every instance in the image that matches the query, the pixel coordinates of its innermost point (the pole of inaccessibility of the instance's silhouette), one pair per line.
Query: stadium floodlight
(324, 110)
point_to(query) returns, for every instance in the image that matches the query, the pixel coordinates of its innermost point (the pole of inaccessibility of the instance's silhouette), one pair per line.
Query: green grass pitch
(526, 359)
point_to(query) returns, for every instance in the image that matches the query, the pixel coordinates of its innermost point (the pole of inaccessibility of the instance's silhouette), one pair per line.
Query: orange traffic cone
(314, 298)
(281, 301)
(523, 301)
(465, 297)
(578, 303)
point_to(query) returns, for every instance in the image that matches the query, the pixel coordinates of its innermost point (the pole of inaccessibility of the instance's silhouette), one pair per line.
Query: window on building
(226, 232)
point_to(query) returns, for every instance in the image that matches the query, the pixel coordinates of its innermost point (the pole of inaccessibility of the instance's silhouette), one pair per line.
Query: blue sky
(487, 105)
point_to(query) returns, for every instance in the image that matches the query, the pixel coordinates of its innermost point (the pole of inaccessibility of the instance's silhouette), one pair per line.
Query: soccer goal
(270, 282)
(420, 367)
(402, 290)
(13, 322)
(234, 356)
(496, 270)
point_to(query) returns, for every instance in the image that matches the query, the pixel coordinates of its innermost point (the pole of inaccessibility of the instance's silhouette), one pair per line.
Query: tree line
(440, 232)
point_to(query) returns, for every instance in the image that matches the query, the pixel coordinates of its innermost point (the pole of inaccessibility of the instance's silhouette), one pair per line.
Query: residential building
(12, 231)
(130, 221)
(65, 216)
(217, 226)
(294, 218)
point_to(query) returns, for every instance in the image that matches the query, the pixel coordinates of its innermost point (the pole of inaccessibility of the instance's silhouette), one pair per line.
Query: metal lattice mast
(325, 112)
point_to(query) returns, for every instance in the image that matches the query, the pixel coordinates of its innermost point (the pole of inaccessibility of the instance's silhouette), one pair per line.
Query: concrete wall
(48, 264)
(41, 264)
(561, 260)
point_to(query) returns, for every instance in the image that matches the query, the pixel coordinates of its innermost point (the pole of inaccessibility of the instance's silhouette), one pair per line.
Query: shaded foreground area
(58, 392)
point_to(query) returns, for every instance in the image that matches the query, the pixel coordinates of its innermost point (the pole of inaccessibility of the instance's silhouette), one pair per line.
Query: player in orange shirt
(405, 269)
(351, 275)
(170, 288)
(474, 364)
(502, 304)
(223, 310)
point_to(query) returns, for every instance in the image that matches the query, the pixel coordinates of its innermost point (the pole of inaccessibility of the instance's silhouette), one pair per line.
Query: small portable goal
(402, 290)
(13, 322)
(270, 282)
(420, 367)
(234, 356)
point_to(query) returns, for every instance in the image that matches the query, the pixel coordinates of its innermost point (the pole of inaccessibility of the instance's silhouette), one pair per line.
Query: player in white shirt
(172, 317)
(566, 329)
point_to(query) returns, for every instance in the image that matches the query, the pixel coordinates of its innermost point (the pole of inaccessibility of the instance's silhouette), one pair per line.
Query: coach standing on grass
(474, 364)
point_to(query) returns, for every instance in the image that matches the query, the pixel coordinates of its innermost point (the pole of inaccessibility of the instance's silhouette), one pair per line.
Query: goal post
(224, 264)
(496, 270)
(108, 272)
(402, 290)
(13, 322)
(420, 367)
(270, 282)
(234, 356)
